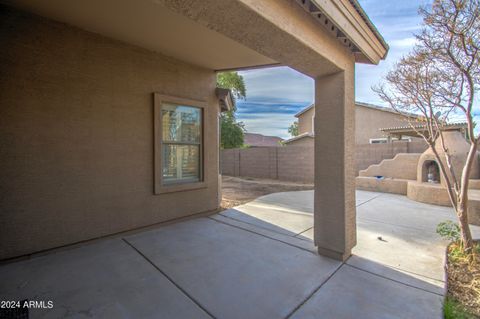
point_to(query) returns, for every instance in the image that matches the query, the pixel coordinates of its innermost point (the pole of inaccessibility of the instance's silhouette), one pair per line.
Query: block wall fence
(295, 163)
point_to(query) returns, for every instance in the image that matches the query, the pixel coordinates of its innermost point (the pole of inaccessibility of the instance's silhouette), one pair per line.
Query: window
(381, 140)
(384, 140)
(178, 144)
(181, 134)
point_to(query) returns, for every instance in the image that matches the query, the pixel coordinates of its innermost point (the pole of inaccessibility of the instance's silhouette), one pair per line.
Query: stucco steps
(390, 175)
(383, 185)
(402, 166)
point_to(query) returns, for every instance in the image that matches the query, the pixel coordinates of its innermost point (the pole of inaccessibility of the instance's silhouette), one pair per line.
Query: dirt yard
(237, 191)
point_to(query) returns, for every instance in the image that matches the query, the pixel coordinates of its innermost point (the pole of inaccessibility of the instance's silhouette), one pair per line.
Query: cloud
(274, 95)
(269, 116)
(403, 43)
(274, 124)
(279, 83)
(258, 107)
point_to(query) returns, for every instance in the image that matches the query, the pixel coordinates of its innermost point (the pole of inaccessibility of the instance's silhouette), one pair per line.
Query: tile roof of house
(422, 126)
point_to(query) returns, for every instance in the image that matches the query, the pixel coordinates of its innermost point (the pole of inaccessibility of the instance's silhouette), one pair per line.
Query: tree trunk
(466, 235)
(462, 201)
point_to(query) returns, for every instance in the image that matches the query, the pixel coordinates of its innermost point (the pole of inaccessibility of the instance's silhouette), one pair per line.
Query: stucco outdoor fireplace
(430, 172)
(430, 186)
(418, 175)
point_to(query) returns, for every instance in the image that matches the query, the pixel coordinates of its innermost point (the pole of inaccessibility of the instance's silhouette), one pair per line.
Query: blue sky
(274, 95)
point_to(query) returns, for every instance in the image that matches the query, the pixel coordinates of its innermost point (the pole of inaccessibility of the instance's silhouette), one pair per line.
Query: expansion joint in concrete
(313, 292)
(397, 281)
(169, 278)
(368, 200)
(263, 235)
(303, 232)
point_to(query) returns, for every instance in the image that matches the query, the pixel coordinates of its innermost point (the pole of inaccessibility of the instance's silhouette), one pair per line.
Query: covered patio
(95, 66)
(253, 261)
(87, 90)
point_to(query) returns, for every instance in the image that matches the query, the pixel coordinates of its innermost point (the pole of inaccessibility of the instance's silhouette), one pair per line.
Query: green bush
(449, 231)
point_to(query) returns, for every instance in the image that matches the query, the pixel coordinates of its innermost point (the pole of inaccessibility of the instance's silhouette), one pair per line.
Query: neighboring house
(369, 120)
(258, 140)
(109, 111)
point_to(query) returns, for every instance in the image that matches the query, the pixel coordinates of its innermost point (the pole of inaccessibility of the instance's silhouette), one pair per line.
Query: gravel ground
(237, 191)
(464, 281)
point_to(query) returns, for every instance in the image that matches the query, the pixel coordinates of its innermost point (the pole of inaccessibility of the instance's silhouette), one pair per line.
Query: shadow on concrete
(253, 261)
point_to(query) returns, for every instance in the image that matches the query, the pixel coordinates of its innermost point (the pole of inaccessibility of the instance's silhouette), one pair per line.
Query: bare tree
(437, 80)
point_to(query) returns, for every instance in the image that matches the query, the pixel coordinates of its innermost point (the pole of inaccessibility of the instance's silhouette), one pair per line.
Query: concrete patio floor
(254, 261)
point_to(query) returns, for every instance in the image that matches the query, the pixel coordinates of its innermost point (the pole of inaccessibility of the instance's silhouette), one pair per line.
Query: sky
(274, 95)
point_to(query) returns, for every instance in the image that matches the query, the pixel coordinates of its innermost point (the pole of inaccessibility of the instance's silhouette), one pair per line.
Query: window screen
(181, 144)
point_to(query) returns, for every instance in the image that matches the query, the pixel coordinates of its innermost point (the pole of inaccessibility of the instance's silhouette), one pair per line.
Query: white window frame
(159, 186)
(379, 140)
(384, 140)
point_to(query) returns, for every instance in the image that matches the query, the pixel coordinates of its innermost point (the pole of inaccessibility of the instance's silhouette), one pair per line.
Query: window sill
(179, 187)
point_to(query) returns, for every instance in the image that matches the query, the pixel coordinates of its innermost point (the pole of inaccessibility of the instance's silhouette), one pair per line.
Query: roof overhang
(230, 34)
(349, 23)
(149, 24)
(224, 99)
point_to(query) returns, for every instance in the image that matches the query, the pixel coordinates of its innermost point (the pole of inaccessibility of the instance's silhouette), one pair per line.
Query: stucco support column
(334, 214)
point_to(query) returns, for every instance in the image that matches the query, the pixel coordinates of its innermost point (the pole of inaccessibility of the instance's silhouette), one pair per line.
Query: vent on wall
(323, 20)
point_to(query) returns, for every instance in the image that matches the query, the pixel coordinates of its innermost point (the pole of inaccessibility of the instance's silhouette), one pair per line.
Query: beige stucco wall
(304, 141)
(368, 123)
(305, 124)
(76, 135)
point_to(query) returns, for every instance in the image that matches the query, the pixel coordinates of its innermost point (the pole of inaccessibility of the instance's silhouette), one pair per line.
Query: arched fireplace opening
(430, 172)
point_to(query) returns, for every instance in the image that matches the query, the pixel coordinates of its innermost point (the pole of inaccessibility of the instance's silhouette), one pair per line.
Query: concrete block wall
(295, 163)
(229, 161)
(258, 162)
(417, 147)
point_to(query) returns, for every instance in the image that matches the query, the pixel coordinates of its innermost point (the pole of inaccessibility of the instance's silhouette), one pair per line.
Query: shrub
(449, 230)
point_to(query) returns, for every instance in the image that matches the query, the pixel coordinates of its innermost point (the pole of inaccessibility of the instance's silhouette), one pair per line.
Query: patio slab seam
(369, 200)
(295, 235)
(394, 280)
(314, 292)
(302, 232)
(168, 278)
(277, 234)
(294, 210)
(402, 270)
(362, 219)
(245, 222)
